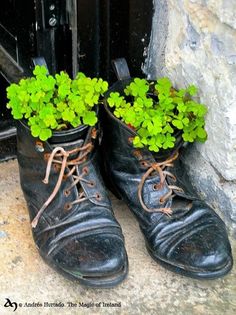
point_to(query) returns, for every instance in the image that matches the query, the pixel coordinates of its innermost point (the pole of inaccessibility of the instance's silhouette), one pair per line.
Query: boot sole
(200, 275)
(106, 281)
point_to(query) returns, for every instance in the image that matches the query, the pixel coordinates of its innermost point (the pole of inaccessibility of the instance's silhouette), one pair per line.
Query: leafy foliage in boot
(57, 102)
(156, 111)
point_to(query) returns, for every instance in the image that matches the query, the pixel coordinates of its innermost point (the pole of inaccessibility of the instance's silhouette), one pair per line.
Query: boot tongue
(68, 146)
(63, 137)
(69, 139)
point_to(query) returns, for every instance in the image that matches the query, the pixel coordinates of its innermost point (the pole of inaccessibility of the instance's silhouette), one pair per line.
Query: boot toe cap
(94, 256)
(204, 254)
(196, 245)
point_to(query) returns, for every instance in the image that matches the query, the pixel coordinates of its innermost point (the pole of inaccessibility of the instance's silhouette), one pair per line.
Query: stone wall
(194, 41)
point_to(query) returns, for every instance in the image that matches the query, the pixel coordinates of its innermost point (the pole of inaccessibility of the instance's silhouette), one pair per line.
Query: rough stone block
(194, 42)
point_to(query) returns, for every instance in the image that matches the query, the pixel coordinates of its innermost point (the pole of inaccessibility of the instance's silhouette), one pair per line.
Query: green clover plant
(57, 102)
(156, 111)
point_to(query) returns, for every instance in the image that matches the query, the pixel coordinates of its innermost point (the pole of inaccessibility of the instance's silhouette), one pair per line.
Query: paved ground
(149, 289)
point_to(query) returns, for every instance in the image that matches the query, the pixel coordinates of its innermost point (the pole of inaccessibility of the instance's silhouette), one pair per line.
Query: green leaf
(68, 115)
(143, 133)
(192, 90)
(168, 129)
(150, 126)
(130, 116)
(144, 141)
(202, 110)
(201, 133)
(163, 86)
(137, 142)
(164, 83)
(61, 107)
(35, 130)
(90, 118)
(177, 123)
(115, 99)
(16, 113)
(185, 121)
(45, 134)
(159, 140)
(181, 107)
(188, 137)
(154, 148)
(181, 93)
(169, 142)
(76, 122)
(138, 88)
(40, 71)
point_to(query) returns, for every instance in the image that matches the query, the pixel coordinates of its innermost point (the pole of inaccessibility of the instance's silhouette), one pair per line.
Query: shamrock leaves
(156, 111)
(55, 102)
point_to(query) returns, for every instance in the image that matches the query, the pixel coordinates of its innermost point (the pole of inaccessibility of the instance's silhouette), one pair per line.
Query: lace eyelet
(39, 146)
(46, 156)
(67, 206)
(56, 167)
(144, 164)
(98, 196)
(130, 140)
(155, 187)
(91, 184)
(137, 154)
(64, 177)
(67, 192)
(85, 170)
(94, 133)
(161, 201)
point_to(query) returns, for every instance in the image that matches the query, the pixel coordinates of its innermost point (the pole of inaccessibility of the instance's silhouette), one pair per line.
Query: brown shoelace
(159, 167)
(60, 158)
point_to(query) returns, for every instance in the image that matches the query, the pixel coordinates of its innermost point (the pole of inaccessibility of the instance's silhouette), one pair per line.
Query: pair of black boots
(73, 223)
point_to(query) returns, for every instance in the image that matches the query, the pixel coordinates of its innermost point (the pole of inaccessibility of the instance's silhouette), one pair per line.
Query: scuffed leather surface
(85, 240)
(193, 238)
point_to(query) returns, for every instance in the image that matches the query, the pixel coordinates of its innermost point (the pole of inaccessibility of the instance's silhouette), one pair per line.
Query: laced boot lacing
(159, 167)
(60, 156)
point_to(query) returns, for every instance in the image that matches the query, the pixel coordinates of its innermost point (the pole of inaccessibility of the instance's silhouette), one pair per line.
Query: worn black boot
(181, 232)
(73, 224)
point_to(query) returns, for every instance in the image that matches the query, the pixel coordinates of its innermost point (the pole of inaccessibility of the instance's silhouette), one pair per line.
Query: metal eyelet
(137, 154)
(56, 167)
(46, 156)
(67, 206)
(67, 192)
(130, 140)
(155, 187)
(64, 177)
(91, 184)
(98, 196)
(161, 201)
(85, 170)
(39, 146)
(94, 133)
(144, 164)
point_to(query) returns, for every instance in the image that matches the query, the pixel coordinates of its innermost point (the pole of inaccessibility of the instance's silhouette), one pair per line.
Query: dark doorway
(114, 29)
(71, 35)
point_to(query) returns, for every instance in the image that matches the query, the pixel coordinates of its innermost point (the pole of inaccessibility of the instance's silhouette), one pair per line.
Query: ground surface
(149, 288)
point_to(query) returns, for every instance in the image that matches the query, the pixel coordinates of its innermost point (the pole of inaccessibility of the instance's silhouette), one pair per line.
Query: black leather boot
(181, 232)
(73, 224)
